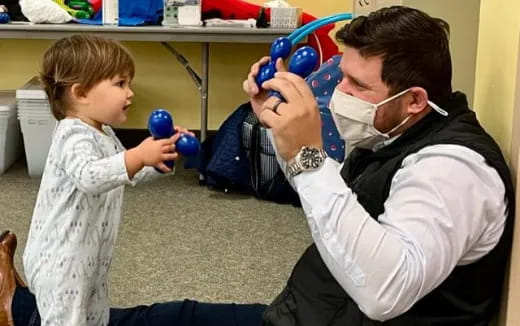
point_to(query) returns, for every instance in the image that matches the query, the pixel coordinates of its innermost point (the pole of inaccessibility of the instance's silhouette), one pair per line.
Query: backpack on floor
(267, 179)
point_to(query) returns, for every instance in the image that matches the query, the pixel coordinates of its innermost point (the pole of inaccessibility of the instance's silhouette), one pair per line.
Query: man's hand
(257, 96)
(297, 121)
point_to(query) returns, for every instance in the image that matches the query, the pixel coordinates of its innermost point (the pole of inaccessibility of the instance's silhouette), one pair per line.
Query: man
(414, 228)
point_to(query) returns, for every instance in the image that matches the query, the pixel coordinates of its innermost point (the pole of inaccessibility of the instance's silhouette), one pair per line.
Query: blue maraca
(160, 125)
(281, 48)
(187, 145)
(302, 63)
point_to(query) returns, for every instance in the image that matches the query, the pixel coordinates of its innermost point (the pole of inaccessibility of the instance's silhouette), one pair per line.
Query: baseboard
(133, 137)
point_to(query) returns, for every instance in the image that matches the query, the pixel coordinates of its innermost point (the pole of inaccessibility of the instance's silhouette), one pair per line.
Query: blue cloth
(323, 82)
(142, 12)
(133, 13)
(175, 313)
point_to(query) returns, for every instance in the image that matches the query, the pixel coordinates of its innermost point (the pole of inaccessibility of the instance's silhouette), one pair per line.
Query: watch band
(294, 167)
(308, 158)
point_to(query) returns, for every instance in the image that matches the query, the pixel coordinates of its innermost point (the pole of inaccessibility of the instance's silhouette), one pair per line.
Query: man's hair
(83, 59)
(414, 48)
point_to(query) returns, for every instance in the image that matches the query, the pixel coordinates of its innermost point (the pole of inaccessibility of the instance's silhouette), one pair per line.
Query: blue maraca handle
(298, 34)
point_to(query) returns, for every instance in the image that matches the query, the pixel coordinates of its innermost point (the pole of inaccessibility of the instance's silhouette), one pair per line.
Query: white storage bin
(31, 91)
(10, 137)
(110, 12)
(37, 137)
(182, 12)
(37, 125)
(288, 18)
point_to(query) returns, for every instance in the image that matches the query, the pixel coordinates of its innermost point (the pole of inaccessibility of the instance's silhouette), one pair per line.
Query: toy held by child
(78, 209)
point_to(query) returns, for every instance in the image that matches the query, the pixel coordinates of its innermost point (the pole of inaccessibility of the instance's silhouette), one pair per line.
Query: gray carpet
(180, 240)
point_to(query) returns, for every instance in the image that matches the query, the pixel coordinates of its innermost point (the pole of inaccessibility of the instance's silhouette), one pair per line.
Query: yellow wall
(160, 81)
(496, 67)
(495, 88)
(463, 18)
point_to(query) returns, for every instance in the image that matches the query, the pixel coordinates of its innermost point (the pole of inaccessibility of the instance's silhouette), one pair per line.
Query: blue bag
(322, 83)
(142, 12)
(133, 13)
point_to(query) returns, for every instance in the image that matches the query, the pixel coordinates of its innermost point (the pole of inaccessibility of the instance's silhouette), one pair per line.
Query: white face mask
(354, 119)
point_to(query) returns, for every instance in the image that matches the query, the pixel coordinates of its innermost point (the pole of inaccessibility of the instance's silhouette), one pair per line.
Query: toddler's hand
(183, 131)
(152, 152)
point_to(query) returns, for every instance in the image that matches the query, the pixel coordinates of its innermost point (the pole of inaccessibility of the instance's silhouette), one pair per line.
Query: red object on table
(96, 4)
(238, 9)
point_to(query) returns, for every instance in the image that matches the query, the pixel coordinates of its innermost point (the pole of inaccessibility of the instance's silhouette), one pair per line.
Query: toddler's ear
(78, 93)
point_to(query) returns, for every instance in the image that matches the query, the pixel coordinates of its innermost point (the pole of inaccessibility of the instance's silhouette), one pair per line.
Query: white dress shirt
(446, 207)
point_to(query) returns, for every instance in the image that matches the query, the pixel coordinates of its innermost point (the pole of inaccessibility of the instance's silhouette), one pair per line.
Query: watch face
(311, 158)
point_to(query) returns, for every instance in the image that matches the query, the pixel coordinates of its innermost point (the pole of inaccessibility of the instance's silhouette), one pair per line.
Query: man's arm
(446, 207)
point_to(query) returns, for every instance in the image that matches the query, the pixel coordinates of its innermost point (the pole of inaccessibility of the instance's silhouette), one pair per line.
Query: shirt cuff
(120, 169)
(310, 182)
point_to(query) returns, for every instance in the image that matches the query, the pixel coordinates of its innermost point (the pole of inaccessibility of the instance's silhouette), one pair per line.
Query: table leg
(204, 92)
(204, 97)
(200, 81)
(202, 85)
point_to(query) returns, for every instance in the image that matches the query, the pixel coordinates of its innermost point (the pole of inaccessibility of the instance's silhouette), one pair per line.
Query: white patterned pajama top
(75, 223)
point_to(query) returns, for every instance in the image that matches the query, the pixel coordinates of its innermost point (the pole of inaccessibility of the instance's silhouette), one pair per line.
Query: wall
(463, 18)
(496, 91)
(160, 81)
(496, 68)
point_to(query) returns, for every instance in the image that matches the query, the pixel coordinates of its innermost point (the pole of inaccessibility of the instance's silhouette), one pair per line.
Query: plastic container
(182, 13)
(110, 12)
(10, 136)
(288, 18)
(171, 12)
(37, 125)
(37, 136)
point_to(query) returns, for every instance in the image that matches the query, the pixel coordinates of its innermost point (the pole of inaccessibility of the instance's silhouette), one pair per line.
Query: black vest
(469, 296)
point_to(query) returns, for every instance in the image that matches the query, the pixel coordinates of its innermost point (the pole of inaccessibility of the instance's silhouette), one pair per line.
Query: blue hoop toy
(307, 29)
(305, 59)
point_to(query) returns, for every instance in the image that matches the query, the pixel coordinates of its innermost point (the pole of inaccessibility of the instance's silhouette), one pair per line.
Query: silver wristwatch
(308, 158)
